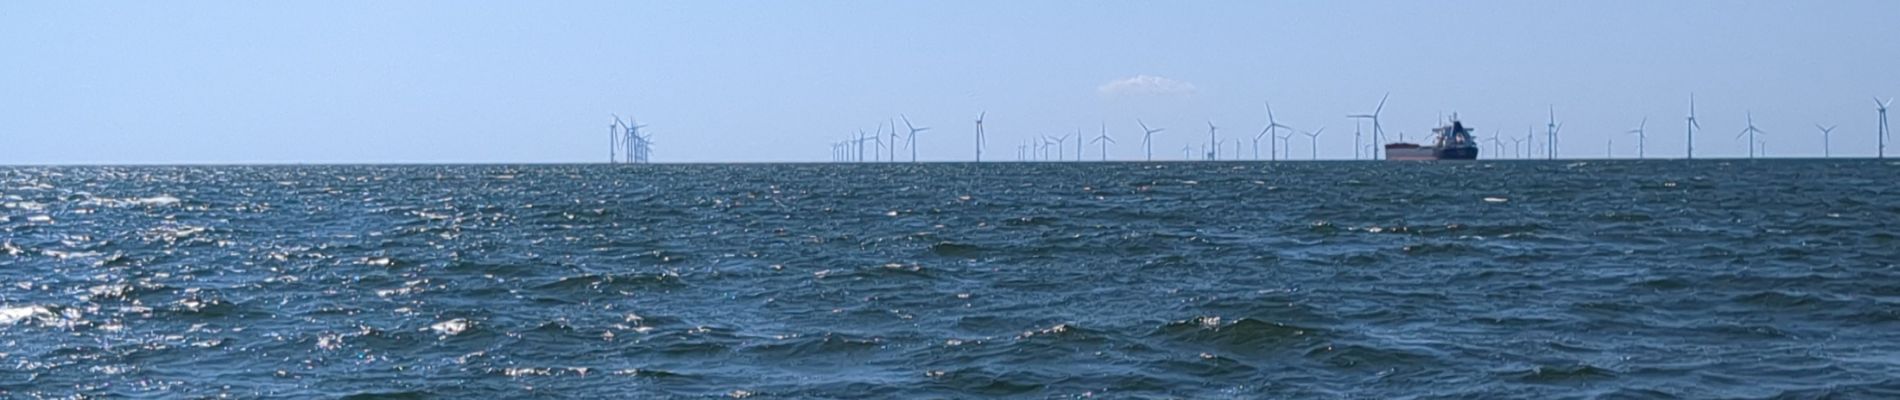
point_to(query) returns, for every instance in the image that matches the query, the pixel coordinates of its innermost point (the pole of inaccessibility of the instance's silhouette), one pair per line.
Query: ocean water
(1513, 279)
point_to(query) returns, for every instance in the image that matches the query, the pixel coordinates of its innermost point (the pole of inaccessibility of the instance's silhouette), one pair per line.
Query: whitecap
(1496, 199)
(451, 327)
(160, 200)
(25, 205)
(14, 315)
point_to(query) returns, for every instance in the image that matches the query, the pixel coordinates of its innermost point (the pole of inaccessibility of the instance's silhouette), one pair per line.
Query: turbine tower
(1550, 133)
(1882, 150)
(1692, 125)
(878, 141)
(1214, 153)
(1641, 139)
(1104, 140)
(861, 140)
(1078, 144)
(1827, 149)
(979, 135)
(1750, 131)
(1378, 132)
(891, 152)
(1356, 134)
(1530, 150)
(1147, 138)
(913, 136)
(613, 140)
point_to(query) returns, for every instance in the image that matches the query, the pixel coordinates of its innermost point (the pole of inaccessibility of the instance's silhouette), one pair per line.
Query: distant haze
(427, 82)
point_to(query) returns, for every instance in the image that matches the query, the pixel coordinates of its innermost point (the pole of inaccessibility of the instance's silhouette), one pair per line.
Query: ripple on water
(1519, 279)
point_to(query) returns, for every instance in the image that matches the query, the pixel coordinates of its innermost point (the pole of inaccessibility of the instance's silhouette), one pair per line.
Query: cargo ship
(1453, 142)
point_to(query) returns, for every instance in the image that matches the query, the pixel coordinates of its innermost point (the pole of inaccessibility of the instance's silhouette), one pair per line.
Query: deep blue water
(1522, 279)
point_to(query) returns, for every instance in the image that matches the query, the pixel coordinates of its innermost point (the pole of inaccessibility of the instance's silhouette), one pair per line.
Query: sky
(187, 82)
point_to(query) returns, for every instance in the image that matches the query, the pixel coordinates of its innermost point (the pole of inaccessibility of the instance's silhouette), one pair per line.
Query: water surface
(1519, 279)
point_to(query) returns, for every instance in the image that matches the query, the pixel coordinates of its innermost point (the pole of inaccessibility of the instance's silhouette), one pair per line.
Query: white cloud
(1145, 85)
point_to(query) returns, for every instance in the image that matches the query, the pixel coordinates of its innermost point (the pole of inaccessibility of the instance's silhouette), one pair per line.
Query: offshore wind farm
(628, 146)
(1368, 199)
(625, 139)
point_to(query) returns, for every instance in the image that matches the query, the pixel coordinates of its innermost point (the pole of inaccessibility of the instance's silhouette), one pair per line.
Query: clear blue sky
(476, 81)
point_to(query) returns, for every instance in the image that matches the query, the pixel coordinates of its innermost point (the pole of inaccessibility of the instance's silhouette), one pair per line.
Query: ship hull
(1410, 154)
(1458, 153)
(1431, 153)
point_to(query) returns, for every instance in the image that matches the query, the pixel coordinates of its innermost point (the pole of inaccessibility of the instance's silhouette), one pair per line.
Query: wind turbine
(1551, 129)
(613, 139)
(1147, 138)
(1530, 150)
(891, 153)
(1187, 152)
(1497, 145)
(1750, 131)
(1058, 142)
(637, 144)
(979, 135)
(1827, 149)
(1212, 154)
(1287, 152)
(1273, 126)
(1882, 150)
(1104, 140)
(1692, 125)
(1641, 138)
(646, 147)
(1517, 150)
(1378, 133)
(879, 141)
(1078, 144)
(1356, 125)
(861, 140)
(1313, 137)
(913, 136)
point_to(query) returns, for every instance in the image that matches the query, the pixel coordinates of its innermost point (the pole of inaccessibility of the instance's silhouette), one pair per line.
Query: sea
(1624, 279)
